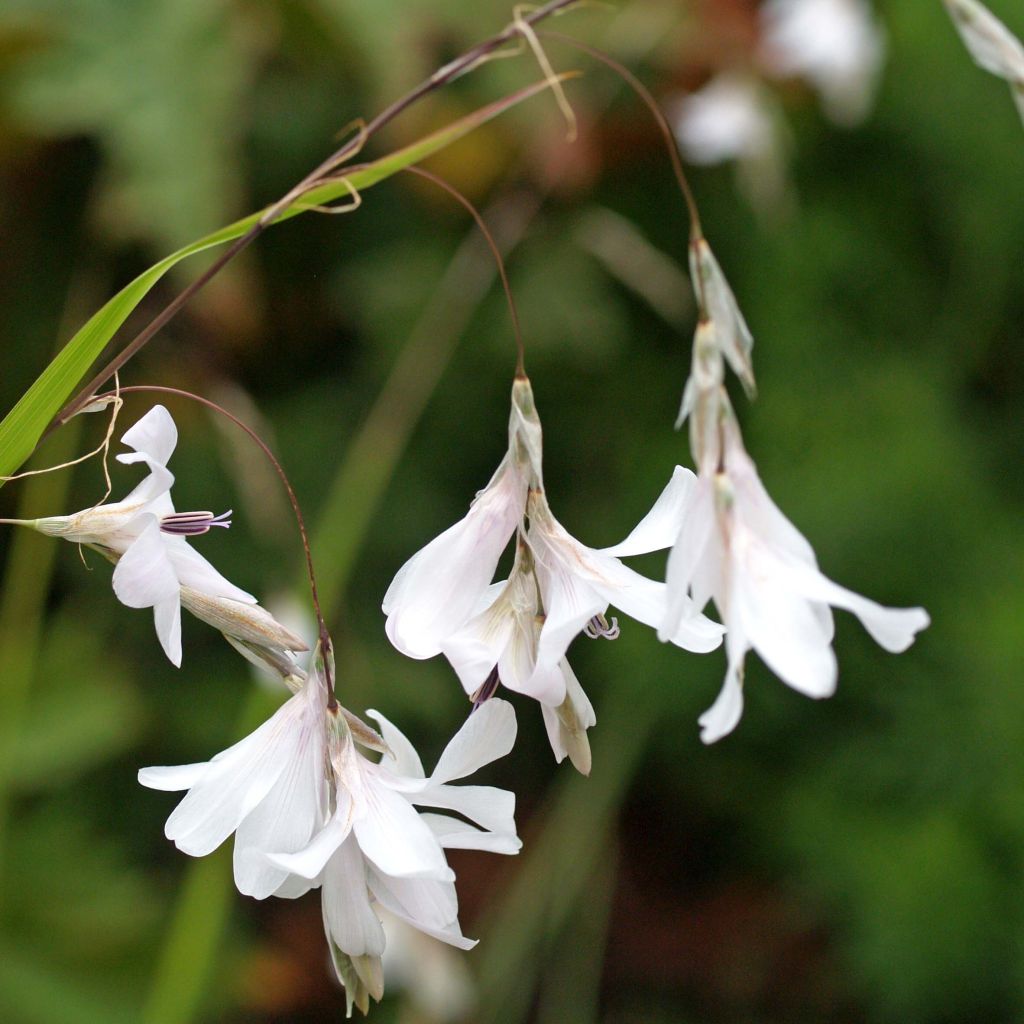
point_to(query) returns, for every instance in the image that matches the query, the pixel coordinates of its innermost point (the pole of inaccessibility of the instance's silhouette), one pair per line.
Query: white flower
(270, 789)
(147, 537)
(377, 851)
(728, 119)
(992, 45)
(731, 543)
(837, 45)
(518, 631)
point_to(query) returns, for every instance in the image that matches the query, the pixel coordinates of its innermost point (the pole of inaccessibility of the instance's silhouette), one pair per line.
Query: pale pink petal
(437, 590)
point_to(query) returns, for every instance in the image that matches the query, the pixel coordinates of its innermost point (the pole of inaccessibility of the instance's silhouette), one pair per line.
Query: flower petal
(309, 862)
(491, 808)
(429, 905)
(194, 571)
(487, 734)
(349, 919)
(723, 716)
(154, 436)
(660, 527)
(404, 760)
(454, 834)
(173, 777)
(436, 591)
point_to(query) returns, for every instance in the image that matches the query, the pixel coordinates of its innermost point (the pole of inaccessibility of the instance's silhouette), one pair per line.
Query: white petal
(781, 626)
(404, 760)
(236, 781)
(426, 904)
(691, 547)
(309, 862)
(454, 834)
(660, 527)
(152, 490)
(491, 808)
(392, 836)
(167, 619)
(194, 571)
(892, 628)
(154, 436)
(723, 716)
(348, 917)
(144, 575)
(476, 648)
(173, 777)
(487, 734)
(437, 590)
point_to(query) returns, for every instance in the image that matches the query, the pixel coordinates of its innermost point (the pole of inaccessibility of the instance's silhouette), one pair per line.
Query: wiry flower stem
(652, 105)
(452, 70)
(324, 635)
(485, 231)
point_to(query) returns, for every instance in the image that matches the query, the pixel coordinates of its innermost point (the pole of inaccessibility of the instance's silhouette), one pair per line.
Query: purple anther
(487, 689)
(599, 626)
(192, 524)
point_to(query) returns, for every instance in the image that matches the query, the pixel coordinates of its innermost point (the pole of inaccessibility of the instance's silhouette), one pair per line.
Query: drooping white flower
(730, 543)
(270, 789)
(518, 631)
(147, 538)
(992, 45)
(837, 45)
(728, 119)
(377, 851)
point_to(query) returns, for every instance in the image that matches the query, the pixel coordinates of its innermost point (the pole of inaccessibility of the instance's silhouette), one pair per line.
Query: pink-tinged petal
(781, 625)
(349, 919)
(171, 778)
(438, 589)
(487, 734)
(392, 836)
(723, 716)
(428, 905)
(660, 527)
(477, 647)
(194, 571)
(404, 760)
(154, 436)
(491, 808)
(454, 834)
(892, 628)
(309, 862)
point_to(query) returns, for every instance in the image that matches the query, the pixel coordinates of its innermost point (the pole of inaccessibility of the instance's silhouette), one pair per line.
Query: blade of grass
(25, 424)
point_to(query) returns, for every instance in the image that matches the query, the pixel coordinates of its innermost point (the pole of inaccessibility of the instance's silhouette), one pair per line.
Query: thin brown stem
(495, 251)
(325, 638)
(466, 62)
(652, 104)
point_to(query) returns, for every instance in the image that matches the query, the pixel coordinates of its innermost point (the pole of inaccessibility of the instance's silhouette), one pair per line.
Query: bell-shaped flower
(271, 789)
(377, 851)
(731, 543)
(992, 45)
(147, 538)
(438, 589)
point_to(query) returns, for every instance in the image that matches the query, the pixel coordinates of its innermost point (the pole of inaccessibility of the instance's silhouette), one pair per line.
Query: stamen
(487, 689)
(192, 524)
(599, 627)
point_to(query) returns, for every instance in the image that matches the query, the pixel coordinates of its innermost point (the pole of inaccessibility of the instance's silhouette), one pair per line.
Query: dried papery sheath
(992, 45)
(730, 333)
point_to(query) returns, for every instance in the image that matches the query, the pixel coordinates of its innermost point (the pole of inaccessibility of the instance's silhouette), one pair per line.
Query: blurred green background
(860, 859)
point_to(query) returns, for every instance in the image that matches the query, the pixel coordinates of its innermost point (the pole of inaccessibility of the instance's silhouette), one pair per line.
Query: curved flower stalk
(310, 810)
(146, 538)
(992, 45)
(518, 631)
(732, 544)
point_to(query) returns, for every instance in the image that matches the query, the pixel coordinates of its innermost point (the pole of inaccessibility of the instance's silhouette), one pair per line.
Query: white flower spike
(147, 538)
(992, 45)
(731, 543)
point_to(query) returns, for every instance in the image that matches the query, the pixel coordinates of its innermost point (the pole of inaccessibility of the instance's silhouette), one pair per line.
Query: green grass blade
(24, 424)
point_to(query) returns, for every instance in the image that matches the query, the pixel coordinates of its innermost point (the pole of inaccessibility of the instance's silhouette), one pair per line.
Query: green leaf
(24, 424)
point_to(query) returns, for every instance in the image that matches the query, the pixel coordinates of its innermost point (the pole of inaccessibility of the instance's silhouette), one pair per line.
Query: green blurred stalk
(26, 583)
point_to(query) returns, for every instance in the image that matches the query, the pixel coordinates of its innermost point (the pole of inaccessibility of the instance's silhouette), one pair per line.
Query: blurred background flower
(853, 860)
